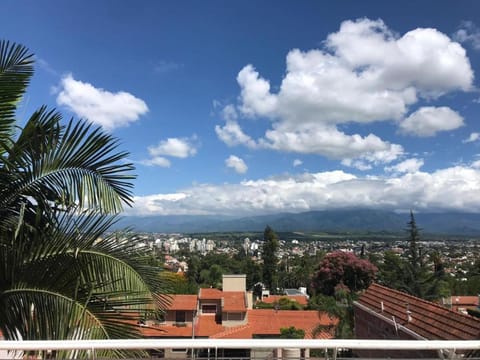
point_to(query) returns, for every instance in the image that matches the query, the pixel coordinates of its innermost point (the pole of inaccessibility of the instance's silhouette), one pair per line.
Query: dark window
(179, 316)
(209, 309)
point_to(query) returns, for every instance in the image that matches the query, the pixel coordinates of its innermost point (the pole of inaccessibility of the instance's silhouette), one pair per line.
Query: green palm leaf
(30, 313)
(73, 166)
(16, 69)
(61, 277)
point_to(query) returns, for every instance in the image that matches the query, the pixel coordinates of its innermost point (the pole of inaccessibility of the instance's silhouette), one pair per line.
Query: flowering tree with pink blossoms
(343, 268)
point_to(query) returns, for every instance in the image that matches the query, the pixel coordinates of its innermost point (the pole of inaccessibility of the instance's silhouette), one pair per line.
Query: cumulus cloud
(406, 166)
(364, 73)
(237, 164)
(428, 121)
(156, 161)
(175, 147)
(101, 107)
(232, 135)
(297, 162)
(476, 164)
(172, 147)
(454, 188)
(473, 137)
(330, 142)
(468, 33)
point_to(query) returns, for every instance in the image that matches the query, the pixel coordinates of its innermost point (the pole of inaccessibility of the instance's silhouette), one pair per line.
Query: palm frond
(16, 69)
(75, 166)
(31, 313)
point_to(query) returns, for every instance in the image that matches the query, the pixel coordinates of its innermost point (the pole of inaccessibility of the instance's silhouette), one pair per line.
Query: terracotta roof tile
(210, 294)
(183, 302)
(429, 320)
(234, 301)
(464, 300)
(206, 325)
(269, 322)
(155, 331)
(302, 300)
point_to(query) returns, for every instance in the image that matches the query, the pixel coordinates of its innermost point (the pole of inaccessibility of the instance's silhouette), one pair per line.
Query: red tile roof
(269, 322)
(210, 294)
(206, 325)
(160, 330)
(429, 320)
(464, 300)
(234, 301)
(302, 300)
(183, 302)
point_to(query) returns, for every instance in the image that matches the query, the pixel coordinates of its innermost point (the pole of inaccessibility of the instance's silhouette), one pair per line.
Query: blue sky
(246, 107)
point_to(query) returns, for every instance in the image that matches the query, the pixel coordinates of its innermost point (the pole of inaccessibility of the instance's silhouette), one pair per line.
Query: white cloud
(330, 142)
(357, 164)
(237, 164)
(407, 166)
(473, 137)
(229, 113)
(232, 135)
(175, 147)
(172, 147)
(297, 162)
(99, 106)
(256, 96)
(427, 121)
(476, 164)
(156, 161)
(468, 33)
(364, 73)
(452, 189)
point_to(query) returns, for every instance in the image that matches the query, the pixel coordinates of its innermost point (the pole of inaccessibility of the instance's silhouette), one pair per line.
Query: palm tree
(61, 277)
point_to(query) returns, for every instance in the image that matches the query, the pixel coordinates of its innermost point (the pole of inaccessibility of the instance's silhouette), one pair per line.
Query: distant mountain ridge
(328, 221)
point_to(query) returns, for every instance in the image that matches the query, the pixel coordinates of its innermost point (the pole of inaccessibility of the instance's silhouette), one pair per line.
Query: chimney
(409, 313)
(381, 306)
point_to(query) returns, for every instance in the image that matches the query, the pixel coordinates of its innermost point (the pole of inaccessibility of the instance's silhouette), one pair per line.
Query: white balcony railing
(447, 349)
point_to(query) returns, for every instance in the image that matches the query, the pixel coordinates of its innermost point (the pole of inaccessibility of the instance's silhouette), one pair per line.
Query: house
(229, 314)
(275, 299)
(384, 313)
(461, 303)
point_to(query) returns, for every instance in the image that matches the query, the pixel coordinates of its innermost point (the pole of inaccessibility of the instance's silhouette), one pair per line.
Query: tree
(61, 276)
(337, 310)
(392, 271)
(269, 256)
(417, 278)
(291, 333)
(412, 274)
(343, 268)
(413, 252)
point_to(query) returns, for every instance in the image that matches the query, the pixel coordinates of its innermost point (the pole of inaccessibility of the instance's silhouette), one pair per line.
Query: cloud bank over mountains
(451, 189)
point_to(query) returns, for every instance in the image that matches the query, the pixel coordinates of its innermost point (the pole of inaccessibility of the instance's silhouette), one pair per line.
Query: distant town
(458, 254)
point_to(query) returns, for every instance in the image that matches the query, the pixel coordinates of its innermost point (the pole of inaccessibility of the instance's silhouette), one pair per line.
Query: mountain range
(354, 220)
